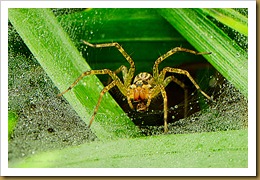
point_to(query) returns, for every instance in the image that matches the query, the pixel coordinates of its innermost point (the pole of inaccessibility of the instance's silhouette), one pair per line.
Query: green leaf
(203, 150)
(63, 63)
(122, 25)
(134, 29)
(229, 17)
(227, 57)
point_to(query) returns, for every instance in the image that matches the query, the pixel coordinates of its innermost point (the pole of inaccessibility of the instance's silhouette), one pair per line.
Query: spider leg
(104, 90)
(184, 72)
(161, 89)
(128, 75)
(116, 82)
(169, 53)
(155, 91)
(130, 102)
(165, 108)
(182, 85)
(124, 71)
(92, 72)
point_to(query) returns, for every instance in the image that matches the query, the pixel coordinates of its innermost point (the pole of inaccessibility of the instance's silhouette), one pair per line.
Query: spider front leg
(104, 90)
(124, 71)
(116, 82)
(128, 76)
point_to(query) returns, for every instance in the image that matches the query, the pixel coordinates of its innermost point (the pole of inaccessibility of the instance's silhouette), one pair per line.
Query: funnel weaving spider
(144, 86)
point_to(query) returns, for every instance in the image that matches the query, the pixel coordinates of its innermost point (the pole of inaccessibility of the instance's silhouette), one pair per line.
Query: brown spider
(145, 86)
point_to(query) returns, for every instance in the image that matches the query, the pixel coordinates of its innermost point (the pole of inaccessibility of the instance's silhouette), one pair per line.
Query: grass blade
(229, 17)
(61, 60)
(227, 57)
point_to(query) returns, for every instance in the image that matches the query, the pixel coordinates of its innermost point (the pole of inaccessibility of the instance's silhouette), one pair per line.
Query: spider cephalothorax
(145, 86)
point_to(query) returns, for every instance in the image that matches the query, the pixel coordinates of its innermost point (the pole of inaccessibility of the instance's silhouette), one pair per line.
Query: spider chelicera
(145, 86)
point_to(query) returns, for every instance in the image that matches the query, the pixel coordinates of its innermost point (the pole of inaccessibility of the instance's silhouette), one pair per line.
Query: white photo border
(250, 171)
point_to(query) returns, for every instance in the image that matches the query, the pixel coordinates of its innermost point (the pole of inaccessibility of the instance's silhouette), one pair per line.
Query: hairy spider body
(145, 86)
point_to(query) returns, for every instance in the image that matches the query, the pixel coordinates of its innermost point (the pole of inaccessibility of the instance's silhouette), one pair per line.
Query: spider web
(228, 112)
(176, 102)
(199, 111)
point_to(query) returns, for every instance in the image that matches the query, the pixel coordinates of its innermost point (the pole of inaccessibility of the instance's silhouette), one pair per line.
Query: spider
(141, 89)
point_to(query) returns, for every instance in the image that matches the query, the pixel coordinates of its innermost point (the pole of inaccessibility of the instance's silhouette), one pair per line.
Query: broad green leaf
(202, 150)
